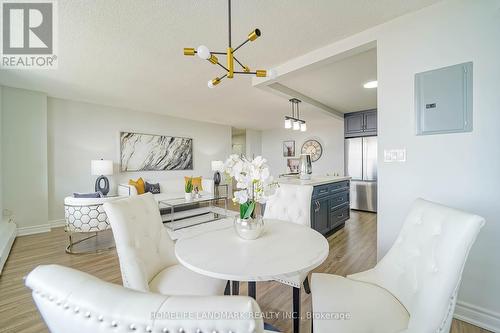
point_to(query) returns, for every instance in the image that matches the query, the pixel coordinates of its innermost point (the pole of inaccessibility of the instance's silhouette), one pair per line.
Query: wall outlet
(395, 155)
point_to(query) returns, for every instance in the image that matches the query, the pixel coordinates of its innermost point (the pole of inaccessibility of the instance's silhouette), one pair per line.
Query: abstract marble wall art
(147, 152)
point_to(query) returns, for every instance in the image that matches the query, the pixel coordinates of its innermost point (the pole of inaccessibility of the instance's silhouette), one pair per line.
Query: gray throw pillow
(152, 188)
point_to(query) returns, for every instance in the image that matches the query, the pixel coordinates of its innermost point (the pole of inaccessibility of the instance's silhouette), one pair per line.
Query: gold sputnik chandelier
(204, 53)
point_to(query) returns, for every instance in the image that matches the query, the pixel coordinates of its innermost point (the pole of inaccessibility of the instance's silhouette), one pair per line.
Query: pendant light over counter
(294, 122)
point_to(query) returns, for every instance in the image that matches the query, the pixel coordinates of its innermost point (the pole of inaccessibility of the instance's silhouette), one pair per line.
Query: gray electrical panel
(443, 100)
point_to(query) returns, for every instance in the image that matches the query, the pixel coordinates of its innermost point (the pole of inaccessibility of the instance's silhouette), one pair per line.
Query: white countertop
(314, 181)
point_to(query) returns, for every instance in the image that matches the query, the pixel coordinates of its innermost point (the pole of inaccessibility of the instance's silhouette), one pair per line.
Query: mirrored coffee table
(179, 213)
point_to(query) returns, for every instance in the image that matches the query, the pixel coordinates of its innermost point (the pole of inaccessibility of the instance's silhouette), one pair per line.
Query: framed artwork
(149, 152)
(293, 165)
(289, 148)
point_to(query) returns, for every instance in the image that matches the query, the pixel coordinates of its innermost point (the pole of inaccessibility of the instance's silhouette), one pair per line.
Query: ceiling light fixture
(370, 84)
(204, 53)
(294, 122)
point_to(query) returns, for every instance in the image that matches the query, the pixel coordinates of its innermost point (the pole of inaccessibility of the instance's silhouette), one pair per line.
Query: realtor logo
(28, 34)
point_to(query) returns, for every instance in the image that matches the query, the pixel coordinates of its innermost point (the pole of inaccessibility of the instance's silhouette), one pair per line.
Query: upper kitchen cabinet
(362, 123)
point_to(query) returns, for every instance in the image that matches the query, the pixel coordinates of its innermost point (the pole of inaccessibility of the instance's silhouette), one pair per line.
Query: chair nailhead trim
(100, 318)
(87, 314)
(149, 329)
(132, 327)
(114, 324)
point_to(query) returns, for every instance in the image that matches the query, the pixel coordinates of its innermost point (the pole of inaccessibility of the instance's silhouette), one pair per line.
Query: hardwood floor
(352, 249)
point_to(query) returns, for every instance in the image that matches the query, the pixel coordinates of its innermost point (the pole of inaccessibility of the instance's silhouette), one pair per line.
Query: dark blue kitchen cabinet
(362, 123)
(330, 206)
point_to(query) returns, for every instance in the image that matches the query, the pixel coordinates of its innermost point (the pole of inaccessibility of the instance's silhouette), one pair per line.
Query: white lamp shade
(217, 165)
(288, 123)
(296, 126)
(303, 127)
(101, 167)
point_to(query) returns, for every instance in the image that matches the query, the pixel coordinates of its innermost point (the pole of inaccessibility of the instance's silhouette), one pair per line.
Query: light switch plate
(394, 155)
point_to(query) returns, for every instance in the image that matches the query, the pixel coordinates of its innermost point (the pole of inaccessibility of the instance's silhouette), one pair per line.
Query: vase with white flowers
(255, 185)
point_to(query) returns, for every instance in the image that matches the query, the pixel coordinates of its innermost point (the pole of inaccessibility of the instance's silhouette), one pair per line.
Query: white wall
(80, 132)
(461, 170)
(24, 156)
(1, 154)
(253, 143)
(328, 131)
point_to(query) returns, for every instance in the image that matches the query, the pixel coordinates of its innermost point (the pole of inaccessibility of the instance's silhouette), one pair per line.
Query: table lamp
(101, 168)
(217, 166)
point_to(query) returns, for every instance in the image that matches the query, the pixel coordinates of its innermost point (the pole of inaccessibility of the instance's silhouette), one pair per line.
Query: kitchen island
(330, 201)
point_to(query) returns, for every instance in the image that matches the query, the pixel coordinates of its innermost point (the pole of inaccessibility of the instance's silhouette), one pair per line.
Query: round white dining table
(284, 248)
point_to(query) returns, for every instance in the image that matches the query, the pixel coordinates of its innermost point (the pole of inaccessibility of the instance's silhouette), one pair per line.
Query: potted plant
(188, 189)
(255, 185)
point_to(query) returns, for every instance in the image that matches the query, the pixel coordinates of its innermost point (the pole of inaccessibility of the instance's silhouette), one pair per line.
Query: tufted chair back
(423, 268)
(290, 203)
(76, 302)
(142, 242)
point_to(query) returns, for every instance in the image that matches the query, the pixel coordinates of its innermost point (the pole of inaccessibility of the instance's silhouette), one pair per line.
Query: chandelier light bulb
(288, 123)
(296, 126)
(203, 52)
(210, 84)
(303, 127)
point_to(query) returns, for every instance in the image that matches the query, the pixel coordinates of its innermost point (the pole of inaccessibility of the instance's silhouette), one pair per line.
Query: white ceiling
(128, 53)
(340, 85)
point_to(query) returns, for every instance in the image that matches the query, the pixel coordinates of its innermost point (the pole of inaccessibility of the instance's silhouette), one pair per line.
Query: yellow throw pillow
(196, 182)
(138, 184)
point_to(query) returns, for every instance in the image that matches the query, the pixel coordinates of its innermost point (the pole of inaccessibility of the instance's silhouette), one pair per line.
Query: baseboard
(37, 229)
(8, 233)
(57, 223)
(477, 316)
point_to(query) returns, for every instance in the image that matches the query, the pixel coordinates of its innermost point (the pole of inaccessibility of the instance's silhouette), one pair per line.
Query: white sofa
(170, 189)
(76, 302)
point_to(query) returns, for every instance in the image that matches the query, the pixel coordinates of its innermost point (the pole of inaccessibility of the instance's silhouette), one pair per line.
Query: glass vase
(250, 228)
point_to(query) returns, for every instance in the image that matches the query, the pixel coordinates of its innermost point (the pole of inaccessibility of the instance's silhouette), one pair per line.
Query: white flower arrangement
(253, 180)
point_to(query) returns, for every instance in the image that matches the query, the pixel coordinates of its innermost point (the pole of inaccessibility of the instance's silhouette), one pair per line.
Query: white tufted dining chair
(413, 289)
(292, 203)
(146, 252)
(76, 302)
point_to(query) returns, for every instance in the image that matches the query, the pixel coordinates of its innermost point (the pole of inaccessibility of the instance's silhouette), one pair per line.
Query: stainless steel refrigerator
(361, 165)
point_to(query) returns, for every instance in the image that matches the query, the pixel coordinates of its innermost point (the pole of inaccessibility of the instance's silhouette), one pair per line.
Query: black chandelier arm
(220, 53)
(221, 65)
(254, 73)
(236, 48)
(242, 66)
(229, 20)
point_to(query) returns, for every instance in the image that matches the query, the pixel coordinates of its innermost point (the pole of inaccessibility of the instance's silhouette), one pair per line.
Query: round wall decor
(313, 148)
